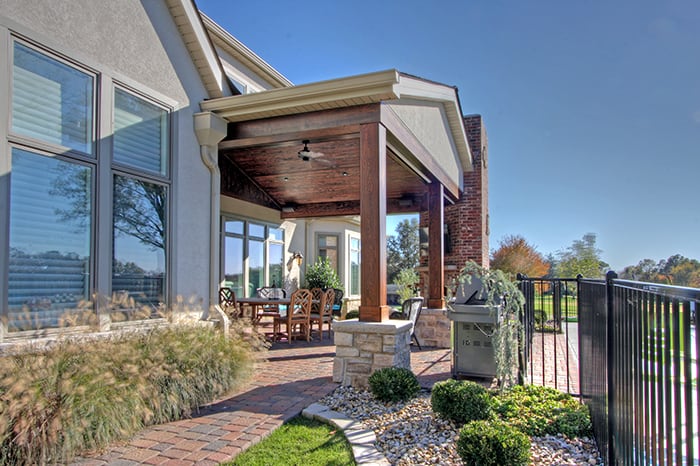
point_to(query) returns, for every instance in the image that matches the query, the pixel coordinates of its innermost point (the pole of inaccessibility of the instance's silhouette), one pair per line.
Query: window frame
(246, 237)
(104, 83)
(29, 141)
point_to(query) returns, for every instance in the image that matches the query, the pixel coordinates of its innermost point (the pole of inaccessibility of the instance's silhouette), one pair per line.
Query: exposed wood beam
(322, 209)
(302, 122)
(295, 138)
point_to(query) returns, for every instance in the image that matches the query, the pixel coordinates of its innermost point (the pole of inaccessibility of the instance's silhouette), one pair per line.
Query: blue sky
(592, 107)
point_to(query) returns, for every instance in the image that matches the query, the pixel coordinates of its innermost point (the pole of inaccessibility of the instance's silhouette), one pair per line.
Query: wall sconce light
(298, 256)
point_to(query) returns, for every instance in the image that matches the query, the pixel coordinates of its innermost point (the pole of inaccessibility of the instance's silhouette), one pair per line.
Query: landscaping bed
(411, 433)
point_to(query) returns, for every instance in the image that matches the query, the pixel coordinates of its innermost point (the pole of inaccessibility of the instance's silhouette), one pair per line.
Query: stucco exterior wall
(137, 44)
(429, 124)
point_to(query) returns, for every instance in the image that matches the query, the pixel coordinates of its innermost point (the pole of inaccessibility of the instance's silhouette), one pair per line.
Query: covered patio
(376, 144)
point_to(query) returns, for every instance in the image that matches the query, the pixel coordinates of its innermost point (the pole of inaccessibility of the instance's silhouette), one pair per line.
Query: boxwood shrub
(493, 443)
(461, 401)
(393, 384)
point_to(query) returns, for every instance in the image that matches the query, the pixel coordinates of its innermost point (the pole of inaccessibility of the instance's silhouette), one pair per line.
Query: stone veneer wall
(433, 328)
(364, 347)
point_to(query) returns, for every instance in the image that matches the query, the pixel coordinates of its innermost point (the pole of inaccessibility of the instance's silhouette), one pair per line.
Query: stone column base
(364, 347)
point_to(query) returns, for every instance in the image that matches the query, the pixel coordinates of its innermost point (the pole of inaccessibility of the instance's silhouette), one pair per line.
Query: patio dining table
(258, 305)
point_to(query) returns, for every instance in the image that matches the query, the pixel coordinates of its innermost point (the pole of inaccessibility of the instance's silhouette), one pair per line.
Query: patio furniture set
(290, 318)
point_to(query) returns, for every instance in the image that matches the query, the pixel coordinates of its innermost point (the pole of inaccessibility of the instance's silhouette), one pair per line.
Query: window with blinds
(50, 241)
(51, 101)
(53, 194)
(140, 133)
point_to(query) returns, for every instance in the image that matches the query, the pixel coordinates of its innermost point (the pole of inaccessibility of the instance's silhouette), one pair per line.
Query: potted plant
(505, 303)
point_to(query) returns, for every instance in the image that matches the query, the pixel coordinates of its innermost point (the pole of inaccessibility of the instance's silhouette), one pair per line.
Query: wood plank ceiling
(269, 171)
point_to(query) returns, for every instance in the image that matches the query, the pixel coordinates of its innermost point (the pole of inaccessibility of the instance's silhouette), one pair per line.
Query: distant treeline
(676, 270)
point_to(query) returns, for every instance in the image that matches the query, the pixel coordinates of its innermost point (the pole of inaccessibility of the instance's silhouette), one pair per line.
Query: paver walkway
(292, 377)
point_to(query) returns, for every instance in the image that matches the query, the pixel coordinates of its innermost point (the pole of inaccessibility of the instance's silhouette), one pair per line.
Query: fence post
(610, 304)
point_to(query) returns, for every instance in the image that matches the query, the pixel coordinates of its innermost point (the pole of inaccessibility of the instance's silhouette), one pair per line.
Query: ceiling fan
(306, 154)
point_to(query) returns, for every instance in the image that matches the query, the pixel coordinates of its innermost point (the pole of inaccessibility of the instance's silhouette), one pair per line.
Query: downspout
(210, 129)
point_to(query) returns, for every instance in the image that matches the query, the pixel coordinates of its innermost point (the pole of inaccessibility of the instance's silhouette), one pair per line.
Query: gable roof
(200, 33)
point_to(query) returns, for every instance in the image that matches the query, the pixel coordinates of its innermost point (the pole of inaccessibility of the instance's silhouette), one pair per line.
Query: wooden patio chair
(227, 301)
(322, 310)
(296, 321)
(269, 292)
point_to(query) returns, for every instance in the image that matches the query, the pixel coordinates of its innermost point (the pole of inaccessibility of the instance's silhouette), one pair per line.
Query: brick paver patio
(291, 378)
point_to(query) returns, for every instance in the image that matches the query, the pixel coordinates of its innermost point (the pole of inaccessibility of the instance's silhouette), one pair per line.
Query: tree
(402, 249)
(582, 257)
(515, 255)
(676, 270)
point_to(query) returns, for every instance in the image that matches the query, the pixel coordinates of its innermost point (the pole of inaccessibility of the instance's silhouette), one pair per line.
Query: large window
(252, 256)
(140, 205)
(56, 183)
(50, 241)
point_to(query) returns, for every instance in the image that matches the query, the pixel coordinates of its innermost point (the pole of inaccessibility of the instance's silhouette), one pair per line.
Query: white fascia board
(204, 48)
(336, 93)
(239, 51)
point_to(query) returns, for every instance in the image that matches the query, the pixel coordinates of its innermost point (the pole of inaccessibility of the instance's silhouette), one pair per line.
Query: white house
(128, 132)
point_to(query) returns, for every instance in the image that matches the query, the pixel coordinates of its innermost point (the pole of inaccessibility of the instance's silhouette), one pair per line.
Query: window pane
(140, 133)
(276, 234)
(234, 226)
(233, 265)
(256, 230)
(328, 249)
(138, 267)
(51, 101)
(354, 266)
(50, 224)
(256, 266)
(276, 264)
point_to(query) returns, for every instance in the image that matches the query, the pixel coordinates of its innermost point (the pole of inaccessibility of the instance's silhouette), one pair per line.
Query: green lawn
(300, 441)
(546, 303)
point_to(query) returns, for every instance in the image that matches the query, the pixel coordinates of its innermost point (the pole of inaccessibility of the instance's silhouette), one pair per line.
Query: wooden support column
(373, 307)
(436, 271)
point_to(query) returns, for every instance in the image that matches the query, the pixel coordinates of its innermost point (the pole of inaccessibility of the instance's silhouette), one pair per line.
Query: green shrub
(393, 384)
(82, 395)
(354, 314)
(322, 275)
(461, 400)
(492, 443)
(538, 411)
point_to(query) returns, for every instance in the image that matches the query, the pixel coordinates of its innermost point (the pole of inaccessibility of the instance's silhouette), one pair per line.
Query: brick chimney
(467, 221)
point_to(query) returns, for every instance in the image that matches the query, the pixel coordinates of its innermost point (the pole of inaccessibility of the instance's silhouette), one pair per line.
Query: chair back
(300, 303)
(337, 300)
(318, 300)
(227, 297)
(271, 292)
(328, 301)
(228, 303)
(411, 308)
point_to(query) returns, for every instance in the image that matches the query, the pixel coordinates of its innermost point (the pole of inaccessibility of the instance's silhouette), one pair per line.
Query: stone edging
(361, 440)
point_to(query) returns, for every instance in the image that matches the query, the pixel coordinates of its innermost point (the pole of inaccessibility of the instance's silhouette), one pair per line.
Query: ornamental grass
(81, 395)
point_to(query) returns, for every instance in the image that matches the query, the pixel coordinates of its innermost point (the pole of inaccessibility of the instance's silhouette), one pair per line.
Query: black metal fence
(637, 358)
